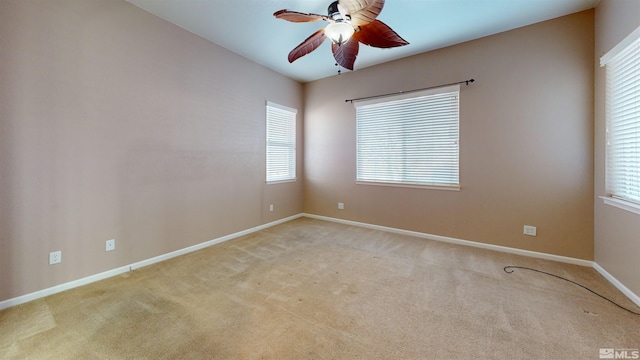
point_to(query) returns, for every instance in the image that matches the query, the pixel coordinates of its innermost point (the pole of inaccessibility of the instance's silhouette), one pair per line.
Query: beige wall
(117, 124)
(526, 132)
(617, 232)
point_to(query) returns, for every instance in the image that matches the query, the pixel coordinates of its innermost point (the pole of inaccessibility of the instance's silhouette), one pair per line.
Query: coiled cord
(509, 270)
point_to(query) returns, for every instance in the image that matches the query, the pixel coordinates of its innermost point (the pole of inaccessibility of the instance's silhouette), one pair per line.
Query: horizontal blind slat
(409, 141)
(623, 124)
(281, 143)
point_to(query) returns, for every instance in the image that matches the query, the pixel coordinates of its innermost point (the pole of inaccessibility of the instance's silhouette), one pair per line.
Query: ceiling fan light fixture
(351, 22)
(339, 32)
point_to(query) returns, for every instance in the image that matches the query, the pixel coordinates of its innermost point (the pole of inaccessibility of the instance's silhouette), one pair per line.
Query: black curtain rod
(467, 82)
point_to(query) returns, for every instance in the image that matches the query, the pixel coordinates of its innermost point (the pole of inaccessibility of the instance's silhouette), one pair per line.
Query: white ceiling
(248, 28)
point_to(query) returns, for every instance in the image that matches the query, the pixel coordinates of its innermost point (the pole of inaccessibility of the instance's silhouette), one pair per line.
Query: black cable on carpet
(511, 267)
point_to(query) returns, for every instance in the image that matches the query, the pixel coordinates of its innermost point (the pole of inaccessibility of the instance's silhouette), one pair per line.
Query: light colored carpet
(310, 289)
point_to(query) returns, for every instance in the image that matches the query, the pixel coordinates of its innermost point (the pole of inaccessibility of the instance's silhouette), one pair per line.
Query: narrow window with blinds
(281, 143)
(622, 98)
(410, 139)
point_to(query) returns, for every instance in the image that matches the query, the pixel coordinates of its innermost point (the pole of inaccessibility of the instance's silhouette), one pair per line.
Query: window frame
(289, 142)
(619, 53)
(404, 100)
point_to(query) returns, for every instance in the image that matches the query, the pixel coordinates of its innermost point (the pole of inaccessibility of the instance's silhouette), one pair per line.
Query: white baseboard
(633, 297)
(528, 253)
(534, 254)
(206, 244)
(62, 287)
(120, 270)
(123, 269)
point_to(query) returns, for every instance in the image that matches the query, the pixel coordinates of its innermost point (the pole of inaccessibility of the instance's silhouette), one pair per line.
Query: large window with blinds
(281, 143)
(622, 98)
(410, 139)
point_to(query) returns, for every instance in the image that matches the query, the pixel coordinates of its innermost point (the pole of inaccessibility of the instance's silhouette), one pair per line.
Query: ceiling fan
(351, 22)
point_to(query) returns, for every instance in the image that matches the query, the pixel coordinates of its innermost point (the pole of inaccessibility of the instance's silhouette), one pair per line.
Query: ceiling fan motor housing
(334, 12)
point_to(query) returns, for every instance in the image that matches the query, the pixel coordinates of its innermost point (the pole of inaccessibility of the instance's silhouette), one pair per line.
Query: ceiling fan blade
(295, 16)
(311, 43)
(346, 53)
(380, 35)
(362, 12)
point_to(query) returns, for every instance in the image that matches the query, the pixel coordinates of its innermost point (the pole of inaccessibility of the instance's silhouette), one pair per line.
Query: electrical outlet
(529, 230)
(270, 207)
(341, 206)
(55, 257)
(110, 245)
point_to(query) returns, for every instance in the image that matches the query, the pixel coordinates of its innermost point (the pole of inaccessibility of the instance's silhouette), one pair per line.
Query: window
(281, 143)
(622, 97)
(410, 139)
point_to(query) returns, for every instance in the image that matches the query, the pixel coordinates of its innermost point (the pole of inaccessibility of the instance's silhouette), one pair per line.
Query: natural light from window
(410, 139)
(281, 143)
(622, 97)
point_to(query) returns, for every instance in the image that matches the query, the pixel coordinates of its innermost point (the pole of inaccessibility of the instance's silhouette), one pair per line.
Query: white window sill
(274, 182)
(621, 204)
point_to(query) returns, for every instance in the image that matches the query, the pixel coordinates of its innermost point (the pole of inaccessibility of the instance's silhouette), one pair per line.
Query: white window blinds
(409, 139)
(623, 119)
(281, 143)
